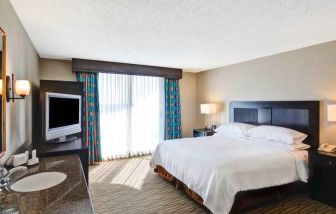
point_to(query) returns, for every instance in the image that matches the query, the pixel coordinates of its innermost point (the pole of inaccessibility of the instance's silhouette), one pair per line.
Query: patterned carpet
(129, 186)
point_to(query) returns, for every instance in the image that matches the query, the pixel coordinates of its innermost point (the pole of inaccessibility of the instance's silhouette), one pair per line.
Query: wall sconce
(22, 88)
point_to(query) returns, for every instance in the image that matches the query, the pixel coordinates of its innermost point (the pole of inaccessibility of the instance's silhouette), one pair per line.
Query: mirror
(2, 89)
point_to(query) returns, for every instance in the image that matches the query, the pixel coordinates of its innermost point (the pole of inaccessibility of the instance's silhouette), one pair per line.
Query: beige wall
(51, 69)
(22, 60)
(188, 103)
(303, 74)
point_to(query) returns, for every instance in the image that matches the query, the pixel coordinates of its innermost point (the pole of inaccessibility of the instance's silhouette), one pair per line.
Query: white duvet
(217, 167)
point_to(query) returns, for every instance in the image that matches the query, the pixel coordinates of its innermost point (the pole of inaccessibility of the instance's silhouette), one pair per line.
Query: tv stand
(46, 149)
(63, 139)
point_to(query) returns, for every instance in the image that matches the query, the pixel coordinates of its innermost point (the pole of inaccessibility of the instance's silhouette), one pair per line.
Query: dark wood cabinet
(47, 149)
(202, 132)
(322, 177)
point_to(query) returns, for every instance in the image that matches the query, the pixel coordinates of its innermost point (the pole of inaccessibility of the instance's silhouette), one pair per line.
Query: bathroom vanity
(70, 196)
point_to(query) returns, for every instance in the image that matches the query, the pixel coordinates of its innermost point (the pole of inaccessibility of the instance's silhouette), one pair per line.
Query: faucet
(5, 177)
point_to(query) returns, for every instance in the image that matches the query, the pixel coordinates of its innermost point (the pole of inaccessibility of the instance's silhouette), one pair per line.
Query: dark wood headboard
(303, 116)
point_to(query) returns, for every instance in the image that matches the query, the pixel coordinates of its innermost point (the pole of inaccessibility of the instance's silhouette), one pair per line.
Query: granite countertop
(70, 196)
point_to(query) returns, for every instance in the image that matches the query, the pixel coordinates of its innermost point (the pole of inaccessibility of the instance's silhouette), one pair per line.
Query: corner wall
(188, 103)
(22, 60)
(52, 69)
(303, 74)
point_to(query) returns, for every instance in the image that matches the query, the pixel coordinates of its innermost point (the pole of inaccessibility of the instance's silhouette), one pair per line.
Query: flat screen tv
(63, 115)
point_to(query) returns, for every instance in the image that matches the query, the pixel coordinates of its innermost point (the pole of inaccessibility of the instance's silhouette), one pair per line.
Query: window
(131, 114)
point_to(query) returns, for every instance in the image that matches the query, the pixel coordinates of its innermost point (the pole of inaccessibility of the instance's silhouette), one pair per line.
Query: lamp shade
(22, 87)
(208, 108)
(331, 112)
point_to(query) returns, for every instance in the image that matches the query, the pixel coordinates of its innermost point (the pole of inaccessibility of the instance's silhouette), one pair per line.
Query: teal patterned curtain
(90, 126)
(173, 109)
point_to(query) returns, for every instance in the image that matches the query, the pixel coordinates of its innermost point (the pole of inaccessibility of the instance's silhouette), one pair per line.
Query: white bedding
(218, 167)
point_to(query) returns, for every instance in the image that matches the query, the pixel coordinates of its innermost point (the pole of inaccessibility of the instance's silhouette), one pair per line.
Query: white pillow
(300, 146)
(276, 133)
(233, 129)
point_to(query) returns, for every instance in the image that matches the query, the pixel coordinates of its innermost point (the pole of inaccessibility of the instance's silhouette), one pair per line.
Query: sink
(38, 181)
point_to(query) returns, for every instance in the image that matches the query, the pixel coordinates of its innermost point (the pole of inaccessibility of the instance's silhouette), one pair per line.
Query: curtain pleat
(131, 113)
(90, 120)
(173, 110)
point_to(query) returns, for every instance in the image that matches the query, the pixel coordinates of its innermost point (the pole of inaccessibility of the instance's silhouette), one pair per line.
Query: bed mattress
(216, 167)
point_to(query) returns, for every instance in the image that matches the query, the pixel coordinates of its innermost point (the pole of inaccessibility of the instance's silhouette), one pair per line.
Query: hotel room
(176, 106)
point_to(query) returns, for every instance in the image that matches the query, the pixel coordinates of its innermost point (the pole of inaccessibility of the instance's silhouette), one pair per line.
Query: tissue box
(19, 159)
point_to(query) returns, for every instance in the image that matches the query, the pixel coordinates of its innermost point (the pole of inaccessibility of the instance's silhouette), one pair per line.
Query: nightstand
(202, 132)
(322, 177)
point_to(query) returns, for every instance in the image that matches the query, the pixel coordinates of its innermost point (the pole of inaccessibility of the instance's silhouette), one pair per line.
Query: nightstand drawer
(324, 161)
(322, 177)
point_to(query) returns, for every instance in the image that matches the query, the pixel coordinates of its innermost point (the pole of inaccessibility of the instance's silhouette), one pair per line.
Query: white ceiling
(194, 35)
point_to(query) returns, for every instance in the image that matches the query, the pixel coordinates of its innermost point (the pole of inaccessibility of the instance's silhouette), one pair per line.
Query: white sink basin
(39, 181)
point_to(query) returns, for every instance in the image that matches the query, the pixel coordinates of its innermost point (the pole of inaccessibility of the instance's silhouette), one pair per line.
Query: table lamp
(331, 112)
(208, 109)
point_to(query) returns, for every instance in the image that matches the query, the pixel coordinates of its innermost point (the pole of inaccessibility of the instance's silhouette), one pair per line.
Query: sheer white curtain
(131, 114)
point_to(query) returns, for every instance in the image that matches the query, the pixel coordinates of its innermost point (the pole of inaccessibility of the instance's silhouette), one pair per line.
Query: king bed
(229, 173)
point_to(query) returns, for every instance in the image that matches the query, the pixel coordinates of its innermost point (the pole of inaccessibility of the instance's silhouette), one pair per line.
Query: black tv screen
(63, 112)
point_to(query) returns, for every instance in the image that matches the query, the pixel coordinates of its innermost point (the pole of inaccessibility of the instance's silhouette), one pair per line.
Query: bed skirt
(243, 200)
(178, 184)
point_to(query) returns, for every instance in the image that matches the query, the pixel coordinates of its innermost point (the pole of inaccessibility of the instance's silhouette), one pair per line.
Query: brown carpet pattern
(129, 186)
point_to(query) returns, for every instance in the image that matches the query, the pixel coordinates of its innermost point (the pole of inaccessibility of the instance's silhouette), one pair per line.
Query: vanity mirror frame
(4, 96)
